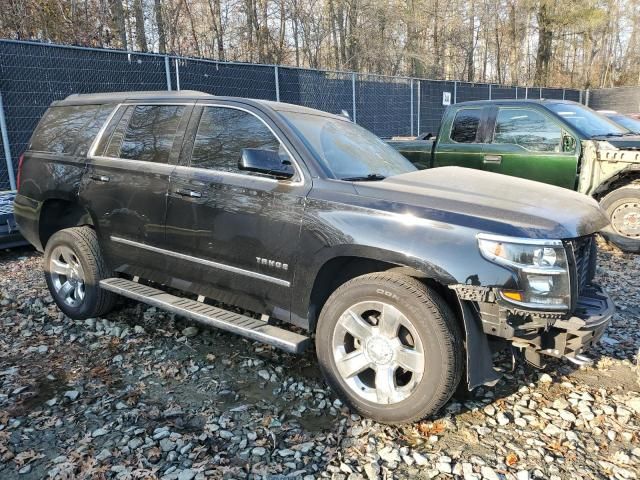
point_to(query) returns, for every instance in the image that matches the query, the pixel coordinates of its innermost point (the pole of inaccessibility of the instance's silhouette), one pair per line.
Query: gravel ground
(141, 394)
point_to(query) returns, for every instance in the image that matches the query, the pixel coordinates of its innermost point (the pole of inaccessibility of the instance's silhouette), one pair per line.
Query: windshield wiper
(365, 178)
(607, 135)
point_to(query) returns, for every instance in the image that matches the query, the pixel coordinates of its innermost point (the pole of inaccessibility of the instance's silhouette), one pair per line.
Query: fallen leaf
(511, 459)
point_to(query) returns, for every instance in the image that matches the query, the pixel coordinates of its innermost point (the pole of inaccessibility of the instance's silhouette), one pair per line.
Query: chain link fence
(621, 99)
(32, 75)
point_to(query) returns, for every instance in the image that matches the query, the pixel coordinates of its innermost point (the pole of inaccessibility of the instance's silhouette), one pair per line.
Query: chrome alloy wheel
(626, 219)
(67, 276)
(378, 352)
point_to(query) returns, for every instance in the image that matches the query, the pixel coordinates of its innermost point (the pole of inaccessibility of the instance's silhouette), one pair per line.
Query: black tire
(624, 201)
(83, 242)
(436, 326)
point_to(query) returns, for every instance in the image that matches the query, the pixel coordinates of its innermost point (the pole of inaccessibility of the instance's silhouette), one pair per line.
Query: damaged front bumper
(535, 334)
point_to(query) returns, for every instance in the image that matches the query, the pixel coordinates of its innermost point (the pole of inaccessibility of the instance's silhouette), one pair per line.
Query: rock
(100, 432)
(502, 419)
(167, 445)
(264, 374)
(72, 394)
(420, 460)
(634, 404)
(567, 416)
(187, 474)
(522, 475)
(138, 329)
(190, 331)
(103, 455)
(553, 431)
(372, 470)
(488, 473)
(135, 443)
(258, 451)
(24, 470)
(389, 455)
(545, 378)
(443, 467)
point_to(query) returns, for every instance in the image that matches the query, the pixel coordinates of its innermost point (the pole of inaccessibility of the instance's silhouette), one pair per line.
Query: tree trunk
(162, 36)
(119, 23)
(545, 44)
(141, 37)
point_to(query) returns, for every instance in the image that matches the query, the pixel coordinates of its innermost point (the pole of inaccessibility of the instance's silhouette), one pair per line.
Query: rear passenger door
(126, 182)
(462, 141)
(234, 234)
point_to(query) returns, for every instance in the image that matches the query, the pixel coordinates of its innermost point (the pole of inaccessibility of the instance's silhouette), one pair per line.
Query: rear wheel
(390, 347)
(74, 266)
(623, 208)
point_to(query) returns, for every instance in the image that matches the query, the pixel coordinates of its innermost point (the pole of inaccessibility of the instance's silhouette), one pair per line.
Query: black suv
(194, 203)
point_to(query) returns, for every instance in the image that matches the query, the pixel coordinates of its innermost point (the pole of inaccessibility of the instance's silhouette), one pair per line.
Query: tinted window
(224, 132)
(70, 129)
(465, 125)
(149, 133)
(529, 129)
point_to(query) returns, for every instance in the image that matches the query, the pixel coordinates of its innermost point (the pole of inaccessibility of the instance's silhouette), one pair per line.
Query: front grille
(584, 252)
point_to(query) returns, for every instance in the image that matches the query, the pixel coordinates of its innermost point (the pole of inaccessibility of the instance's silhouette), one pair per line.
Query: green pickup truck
(558, 142)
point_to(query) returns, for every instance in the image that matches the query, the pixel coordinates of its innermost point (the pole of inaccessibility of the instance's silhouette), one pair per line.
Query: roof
(182, 96)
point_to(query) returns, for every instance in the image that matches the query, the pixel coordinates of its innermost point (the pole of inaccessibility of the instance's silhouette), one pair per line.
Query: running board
(248, 327)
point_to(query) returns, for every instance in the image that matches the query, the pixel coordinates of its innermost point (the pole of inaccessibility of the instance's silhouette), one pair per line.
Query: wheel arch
(60, 213)
(628, 176)
(341, 268)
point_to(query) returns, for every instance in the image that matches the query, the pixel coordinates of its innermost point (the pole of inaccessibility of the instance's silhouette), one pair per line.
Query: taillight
(20, 160)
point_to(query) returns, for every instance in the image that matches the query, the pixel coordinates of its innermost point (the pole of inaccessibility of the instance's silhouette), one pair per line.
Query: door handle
(100, 178)
(494, 159)
(188, 193)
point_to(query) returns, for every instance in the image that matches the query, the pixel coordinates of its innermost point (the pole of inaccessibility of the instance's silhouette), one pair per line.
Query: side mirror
(267, 162)
(568, 143)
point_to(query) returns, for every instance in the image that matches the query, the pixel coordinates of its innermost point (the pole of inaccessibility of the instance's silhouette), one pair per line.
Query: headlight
(541, 266)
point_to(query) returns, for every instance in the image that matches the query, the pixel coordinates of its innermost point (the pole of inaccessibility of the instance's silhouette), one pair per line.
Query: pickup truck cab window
(530, 129)
(466, 125)
(146, 133)
(223, 133)
(346, 150)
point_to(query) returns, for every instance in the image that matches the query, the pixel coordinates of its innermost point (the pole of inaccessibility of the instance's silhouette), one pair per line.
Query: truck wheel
(623, 209)
(390, 347)
(73, 267)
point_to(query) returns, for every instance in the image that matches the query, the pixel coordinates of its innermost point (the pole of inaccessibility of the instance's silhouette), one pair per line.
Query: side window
(69, 129)
(223, 133)
(465, 125)
(529, 129)
(146, 133)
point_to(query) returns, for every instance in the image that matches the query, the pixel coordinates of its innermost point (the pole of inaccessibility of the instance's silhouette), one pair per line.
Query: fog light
(540, 284)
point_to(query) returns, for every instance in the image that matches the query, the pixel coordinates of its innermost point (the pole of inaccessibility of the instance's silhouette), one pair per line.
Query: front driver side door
(234, 234)
(529, 143)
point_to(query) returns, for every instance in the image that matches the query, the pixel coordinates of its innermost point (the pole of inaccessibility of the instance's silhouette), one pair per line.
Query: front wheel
(623, 209)
(74, 266)
(390, 347)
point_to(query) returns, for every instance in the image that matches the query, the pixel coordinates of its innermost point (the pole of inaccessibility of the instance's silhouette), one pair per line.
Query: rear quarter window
(69, 130)
(465, 125)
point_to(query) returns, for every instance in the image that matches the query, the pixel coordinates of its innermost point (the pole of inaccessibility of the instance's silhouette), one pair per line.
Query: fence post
(419, 107)
(526, 93)
(516, 92)
(167, 72)
(588, 95)
(7, 147)
(489, 91)
(455, 92)
(275, 71)
(580, 98)
(353, 95)
(177, 76)
(412, 107)
(564, 92)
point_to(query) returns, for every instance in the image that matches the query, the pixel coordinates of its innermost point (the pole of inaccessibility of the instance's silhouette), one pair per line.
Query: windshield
(347, 150)
(586, 120)
(629, 123)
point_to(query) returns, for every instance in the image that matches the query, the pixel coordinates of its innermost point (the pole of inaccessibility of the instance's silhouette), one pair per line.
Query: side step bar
(248, 327)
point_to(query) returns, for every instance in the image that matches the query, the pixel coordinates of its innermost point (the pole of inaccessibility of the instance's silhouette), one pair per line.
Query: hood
(628, 142)
(489, 202)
